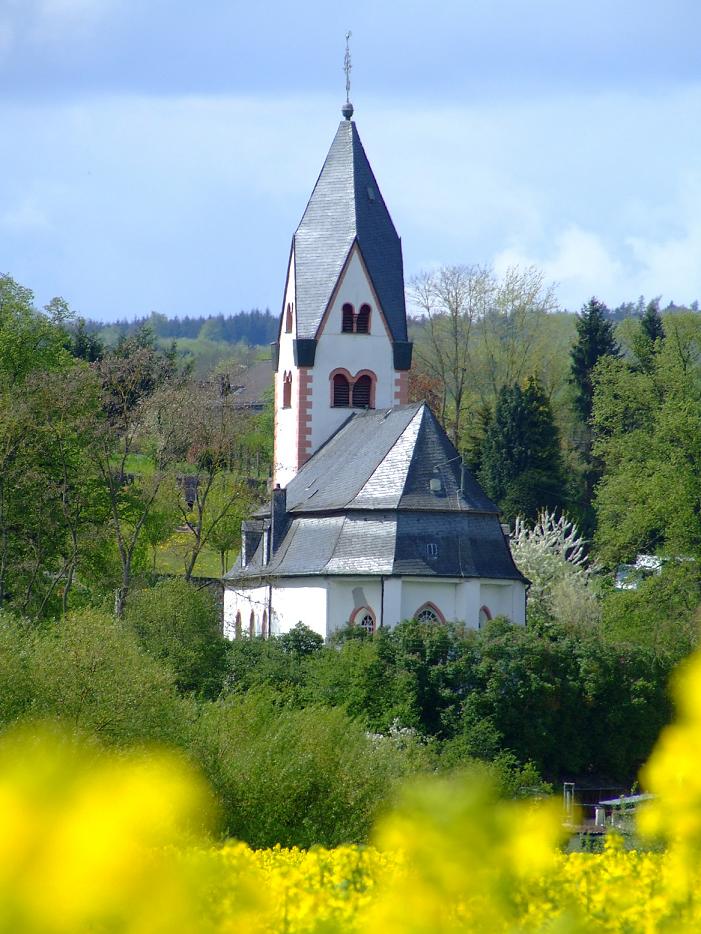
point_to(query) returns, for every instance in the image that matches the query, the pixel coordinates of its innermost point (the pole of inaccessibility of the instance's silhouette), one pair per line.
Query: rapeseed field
(117, 842)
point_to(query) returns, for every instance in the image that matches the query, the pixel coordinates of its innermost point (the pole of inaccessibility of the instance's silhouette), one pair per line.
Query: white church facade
(373, 518)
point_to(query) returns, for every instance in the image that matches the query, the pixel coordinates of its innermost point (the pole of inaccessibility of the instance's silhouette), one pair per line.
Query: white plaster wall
(505, 600)
(300, 600)
(347, 595)
(326, 604)
(287, 420)
(354, 352)
(244, 600)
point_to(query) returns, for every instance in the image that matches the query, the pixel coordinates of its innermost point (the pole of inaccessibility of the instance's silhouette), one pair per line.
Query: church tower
(342, 342)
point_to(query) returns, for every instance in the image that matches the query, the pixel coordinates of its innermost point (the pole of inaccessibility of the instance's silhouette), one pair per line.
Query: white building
(373, 517)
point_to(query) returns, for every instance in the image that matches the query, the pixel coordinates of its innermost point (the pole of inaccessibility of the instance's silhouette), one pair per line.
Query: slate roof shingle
(346, 205)
(376, 514)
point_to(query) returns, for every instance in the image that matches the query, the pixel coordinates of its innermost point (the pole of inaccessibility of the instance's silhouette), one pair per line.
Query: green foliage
(301, 641)
(295, 777)
(521, 461)
(647, 425)
(660, 614)
(89, 672)
(178, 625)
(595, 339)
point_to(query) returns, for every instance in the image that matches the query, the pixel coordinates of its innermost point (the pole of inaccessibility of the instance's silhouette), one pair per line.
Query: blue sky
(158, 154)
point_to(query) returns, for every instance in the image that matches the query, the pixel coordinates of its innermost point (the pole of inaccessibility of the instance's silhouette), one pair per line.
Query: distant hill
(254, 327)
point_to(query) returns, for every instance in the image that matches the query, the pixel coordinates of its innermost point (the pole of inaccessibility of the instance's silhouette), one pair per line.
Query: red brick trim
(401, 387)
(429, 605)
(304, 416)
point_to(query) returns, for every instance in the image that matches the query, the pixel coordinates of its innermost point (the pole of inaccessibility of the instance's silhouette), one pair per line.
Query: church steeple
(344, 314)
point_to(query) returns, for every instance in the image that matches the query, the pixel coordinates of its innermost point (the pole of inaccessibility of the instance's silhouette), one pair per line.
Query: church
(373, 517)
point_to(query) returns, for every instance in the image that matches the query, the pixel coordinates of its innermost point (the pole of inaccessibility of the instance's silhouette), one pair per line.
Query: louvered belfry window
(362, 322)
(361, 392)
(348, 319)
(341, 391)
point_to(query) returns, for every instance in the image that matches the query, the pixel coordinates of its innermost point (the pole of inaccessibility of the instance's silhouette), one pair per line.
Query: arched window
(428, 613)
(264, 625)
(288, 319)
(362, 392)
(484, 617)
(252, 625)
(362, 322)
(364, 618)
(348, 319)
(287, 390)
(237, 625)
(341, 391)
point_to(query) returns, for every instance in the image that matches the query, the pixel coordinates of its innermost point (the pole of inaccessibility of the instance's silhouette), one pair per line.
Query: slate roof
(374, 512)
(395, 454)
(346, 206)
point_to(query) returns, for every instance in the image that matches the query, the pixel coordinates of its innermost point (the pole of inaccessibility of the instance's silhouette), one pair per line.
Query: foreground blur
(97, 841)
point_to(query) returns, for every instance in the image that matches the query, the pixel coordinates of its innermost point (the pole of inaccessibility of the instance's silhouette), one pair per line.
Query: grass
(170, 558)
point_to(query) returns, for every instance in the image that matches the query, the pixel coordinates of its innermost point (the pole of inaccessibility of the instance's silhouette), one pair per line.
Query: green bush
(178, 625)
(295, 777)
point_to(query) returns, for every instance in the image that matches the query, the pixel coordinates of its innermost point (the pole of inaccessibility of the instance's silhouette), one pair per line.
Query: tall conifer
(595, 339)
(521, 462)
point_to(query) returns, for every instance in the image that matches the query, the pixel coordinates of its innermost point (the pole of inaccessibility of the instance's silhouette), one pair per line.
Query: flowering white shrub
(552, 555)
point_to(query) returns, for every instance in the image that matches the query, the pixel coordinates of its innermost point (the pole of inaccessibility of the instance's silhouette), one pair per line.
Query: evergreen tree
(595, 339)
(648, 340)
(521, 462)
(651, 322)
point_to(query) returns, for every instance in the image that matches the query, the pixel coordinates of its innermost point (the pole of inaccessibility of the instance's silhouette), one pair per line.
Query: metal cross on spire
(347, 109)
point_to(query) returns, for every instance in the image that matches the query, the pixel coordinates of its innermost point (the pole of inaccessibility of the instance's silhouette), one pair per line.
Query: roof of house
(395, 453)
(347, 206)
(364, 504)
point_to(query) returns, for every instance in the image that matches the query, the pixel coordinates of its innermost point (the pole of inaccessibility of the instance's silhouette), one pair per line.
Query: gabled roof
(346, 206)
(386, 459)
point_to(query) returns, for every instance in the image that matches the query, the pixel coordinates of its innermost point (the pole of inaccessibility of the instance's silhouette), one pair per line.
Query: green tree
(595, 339)
(178, 625)
(521, 461)
(647, 428)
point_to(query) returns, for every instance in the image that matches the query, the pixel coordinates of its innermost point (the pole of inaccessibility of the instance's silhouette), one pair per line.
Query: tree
(208, 431)
(478, 333)
(136, 380)
(521, 461)
(552, 555)
(178, 625)
(452, 298)
(647, 425)
(595, 339)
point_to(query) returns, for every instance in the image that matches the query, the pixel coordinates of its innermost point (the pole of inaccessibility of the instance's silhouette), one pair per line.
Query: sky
(157, 155)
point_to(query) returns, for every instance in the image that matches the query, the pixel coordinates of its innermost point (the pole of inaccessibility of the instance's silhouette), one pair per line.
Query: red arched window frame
(356, 392)
(340, 391)
(362, 321)
(264, 625)
(363, 393)
(485, 614)
(287, 390)
(365, 618)
(288, 318)
(348, 319)
(252, 625)
(429, 608)
(237, 625)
